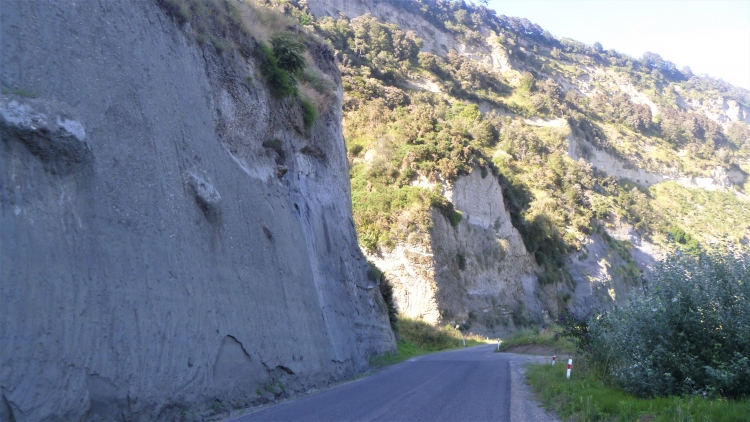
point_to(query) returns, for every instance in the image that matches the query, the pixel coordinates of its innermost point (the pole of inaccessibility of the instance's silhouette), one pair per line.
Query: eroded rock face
(483, 267)
(602, 278)
(434, 40)
(478, 271)
(721, 110)
(154, 258)
(720, 179)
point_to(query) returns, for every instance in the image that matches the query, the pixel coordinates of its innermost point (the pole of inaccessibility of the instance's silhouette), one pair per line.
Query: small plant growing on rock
(308, 113)
(289, 53)
(281, 83)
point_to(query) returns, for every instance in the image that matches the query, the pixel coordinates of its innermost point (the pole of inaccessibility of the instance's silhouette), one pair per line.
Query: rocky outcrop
(434, 40)
(484, 273)
(721, 110)
(606, 270)
(720, 178)
(155, 258)
(581, 149)
(476, 272)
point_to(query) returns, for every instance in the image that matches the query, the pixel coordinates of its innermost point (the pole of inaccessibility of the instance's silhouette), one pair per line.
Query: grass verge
(533, 336)
(587, 396)
(419, 338)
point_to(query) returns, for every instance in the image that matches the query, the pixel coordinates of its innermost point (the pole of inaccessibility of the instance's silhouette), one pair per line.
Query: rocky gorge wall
(477, 271)
(434, 40)
(155, 259)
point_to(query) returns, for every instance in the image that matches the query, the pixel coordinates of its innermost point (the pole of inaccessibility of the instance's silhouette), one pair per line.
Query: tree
(598, 47)
(739, 134)
(687, 72)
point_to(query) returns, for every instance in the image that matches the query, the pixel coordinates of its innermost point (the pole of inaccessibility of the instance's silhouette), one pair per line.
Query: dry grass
(231, 25)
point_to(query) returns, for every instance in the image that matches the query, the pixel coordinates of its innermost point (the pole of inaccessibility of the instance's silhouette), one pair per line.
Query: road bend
(472, 384)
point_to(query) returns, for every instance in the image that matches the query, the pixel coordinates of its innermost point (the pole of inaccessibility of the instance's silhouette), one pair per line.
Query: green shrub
(455, 217)
(575, 328)
(281, 83)
(373, 273)
(308, 113)
(273, 143)
(461, 262)
(289, 53)
(688, 334)
(386, 290)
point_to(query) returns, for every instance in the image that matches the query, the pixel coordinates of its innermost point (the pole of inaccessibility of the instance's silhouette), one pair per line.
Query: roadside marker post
(554, 359)
(570, 365)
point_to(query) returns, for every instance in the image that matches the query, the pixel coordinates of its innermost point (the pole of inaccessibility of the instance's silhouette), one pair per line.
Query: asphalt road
(472, 384)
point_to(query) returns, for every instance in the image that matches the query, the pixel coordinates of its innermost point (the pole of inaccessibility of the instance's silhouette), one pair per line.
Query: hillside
(600, 156)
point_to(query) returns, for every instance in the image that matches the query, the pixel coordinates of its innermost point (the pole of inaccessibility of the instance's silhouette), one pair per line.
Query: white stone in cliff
(480, 267)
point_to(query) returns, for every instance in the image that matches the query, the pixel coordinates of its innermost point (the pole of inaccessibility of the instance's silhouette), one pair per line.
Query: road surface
(472, 384)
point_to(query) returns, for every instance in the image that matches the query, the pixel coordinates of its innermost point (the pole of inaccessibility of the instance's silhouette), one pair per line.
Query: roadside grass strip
(587, 396)
(533, 336)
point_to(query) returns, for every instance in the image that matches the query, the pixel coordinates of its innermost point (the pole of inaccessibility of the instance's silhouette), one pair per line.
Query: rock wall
(721, 110)
(434, 40)
(477, 272)
(484, 273)
(155, 259)
(602, 278)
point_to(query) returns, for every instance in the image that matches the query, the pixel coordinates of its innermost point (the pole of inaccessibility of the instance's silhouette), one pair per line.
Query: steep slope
(156, 259)
(580, 139)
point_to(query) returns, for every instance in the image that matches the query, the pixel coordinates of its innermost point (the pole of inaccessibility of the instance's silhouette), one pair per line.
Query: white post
(554, 359)
(498, 344)
(570, 365)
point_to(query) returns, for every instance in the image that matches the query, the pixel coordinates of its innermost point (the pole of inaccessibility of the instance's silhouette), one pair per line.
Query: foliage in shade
(689, 333)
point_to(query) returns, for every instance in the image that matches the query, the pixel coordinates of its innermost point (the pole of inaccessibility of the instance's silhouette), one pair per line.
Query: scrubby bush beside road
(689, 333)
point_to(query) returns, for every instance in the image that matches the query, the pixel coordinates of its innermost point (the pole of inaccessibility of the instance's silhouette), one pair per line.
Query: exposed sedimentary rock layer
(154, 256)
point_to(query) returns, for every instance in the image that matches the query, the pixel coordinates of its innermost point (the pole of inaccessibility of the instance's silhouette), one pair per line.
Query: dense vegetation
(588, 396)
(414, 120)
(678, 350)
(688, 334)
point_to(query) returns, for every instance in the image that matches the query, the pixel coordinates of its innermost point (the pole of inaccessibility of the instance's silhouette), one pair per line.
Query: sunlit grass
(702, 213)
(533, 336)
(587, 396)
(419, 338)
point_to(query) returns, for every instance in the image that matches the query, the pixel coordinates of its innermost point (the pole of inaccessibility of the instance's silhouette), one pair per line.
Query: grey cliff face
(154, 257)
